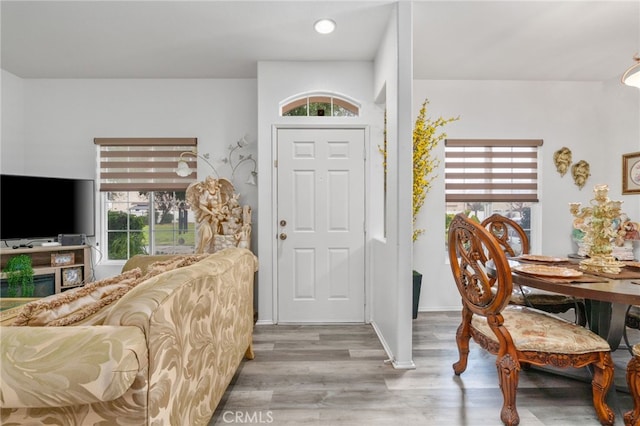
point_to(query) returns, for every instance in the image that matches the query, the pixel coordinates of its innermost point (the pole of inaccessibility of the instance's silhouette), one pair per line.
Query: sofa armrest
(199, 324)
(62, 366)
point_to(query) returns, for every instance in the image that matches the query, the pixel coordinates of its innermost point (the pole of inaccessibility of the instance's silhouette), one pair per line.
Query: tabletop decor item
(599, 231)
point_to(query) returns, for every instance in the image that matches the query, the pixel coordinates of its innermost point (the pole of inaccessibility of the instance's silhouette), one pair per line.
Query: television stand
(70, 265)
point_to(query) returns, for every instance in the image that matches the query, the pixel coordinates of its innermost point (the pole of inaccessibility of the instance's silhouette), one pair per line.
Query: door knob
(283, 236)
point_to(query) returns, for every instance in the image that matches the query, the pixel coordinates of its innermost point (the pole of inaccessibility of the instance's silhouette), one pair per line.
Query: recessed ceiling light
(325, 26)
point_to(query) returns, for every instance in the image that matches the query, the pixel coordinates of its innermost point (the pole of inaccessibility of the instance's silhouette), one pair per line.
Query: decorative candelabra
(598, 219)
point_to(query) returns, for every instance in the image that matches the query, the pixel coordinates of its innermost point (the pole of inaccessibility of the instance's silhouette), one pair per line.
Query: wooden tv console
(70, 265)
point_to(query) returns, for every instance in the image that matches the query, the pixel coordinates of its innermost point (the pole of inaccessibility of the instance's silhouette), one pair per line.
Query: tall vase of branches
(427, 134)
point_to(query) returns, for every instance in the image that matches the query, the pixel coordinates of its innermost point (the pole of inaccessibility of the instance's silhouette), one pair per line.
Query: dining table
(607, 296)
(607, 299)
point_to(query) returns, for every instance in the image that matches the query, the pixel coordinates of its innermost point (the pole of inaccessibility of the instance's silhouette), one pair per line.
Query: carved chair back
(470, 247)
(503, 229)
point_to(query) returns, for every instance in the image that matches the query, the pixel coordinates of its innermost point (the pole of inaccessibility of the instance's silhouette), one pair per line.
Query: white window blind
(504, 170)
(144, 164)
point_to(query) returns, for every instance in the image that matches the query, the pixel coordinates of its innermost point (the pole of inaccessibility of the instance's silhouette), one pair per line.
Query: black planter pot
(417, 284)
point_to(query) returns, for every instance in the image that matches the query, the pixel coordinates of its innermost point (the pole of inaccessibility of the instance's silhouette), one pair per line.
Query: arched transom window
(319, 105)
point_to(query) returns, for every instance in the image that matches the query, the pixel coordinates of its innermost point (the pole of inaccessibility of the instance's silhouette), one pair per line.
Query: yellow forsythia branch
(425, 140)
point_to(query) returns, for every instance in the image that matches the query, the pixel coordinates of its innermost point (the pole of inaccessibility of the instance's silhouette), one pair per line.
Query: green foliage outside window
(122, 245)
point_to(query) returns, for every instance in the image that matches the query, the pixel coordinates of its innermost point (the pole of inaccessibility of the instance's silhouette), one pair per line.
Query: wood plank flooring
(337, 375)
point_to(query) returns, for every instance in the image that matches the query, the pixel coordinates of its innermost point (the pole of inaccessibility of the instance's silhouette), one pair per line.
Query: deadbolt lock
(283, 222)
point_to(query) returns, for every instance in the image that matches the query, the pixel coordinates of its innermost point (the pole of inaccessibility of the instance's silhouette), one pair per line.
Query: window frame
(534, 200)
(154, 163)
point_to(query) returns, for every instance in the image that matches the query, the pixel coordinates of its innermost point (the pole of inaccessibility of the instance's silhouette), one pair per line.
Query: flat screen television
(37, 207)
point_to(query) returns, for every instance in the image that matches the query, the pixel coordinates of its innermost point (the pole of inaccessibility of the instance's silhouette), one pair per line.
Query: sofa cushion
(77, 304)
(161, 263)
(174, 263)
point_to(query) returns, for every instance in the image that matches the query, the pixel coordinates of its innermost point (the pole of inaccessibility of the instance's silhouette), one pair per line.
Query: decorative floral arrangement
(626, 230)
(425, 140)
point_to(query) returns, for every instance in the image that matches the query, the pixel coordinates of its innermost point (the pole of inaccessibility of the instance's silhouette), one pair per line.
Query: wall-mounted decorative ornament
(581, 173)
(562, 160)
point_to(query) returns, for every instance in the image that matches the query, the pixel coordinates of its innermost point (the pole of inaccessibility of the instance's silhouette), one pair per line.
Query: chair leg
(602, 380)
(463, 335)
(632, 418)
(581, 314)
(624, 332)
(509, 375)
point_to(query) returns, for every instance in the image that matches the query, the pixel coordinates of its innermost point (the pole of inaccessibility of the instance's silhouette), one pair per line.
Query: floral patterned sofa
(162, 353)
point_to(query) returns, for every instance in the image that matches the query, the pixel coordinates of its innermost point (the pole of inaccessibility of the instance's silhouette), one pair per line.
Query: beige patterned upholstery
(534, 330)
(174, 341)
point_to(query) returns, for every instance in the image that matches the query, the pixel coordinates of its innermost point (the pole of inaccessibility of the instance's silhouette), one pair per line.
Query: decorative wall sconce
(581, 172)
(234, 159)
(562, 160)
(183, 168)
(631, 77)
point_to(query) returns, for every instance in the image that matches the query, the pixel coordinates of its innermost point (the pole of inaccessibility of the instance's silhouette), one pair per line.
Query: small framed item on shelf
(62, 259)
(72, 276)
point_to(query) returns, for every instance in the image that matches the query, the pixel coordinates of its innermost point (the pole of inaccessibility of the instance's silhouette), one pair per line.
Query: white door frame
(273, 227)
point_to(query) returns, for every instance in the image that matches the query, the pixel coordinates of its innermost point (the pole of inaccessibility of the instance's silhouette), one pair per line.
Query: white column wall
(391, 253)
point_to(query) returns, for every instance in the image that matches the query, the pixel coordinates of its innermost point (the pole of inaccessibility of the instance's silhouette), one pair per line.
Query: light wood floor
(337, 375)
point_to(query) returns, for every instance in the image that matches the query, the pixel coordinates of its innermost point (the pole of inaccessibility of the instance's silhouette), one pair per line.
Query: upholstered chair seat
(535, 330)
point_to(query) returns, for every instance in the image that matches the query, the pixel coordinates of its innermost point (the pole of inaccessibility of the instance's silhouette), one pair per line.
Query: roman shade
(144, 164)
(502, 170)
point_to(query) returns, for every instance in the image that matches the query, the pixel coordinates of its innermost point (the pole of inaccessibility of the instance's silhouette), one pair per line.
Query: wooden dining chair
(504, 230)
(631, 320)
(517, 335)
(632, 418)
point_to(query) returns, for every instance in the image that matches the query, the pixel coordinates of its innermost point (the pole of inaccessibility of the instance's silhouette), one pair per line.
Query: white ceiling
(502, 40)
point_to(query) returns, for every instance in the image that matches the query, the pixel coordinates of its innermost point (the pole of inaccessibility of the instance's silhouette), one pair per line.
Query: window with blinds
(144, 164)
(491, 170)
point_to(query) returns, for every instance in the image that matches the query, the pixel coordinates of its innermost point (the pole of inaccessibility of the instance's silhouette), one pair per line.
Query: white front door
(320, 214)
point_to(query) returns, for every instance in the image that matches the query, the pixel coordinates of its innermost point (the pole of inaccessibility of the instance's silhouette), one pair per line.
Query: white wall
(12, 151)
(597, 121)
(278, 81)
(61, 118)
